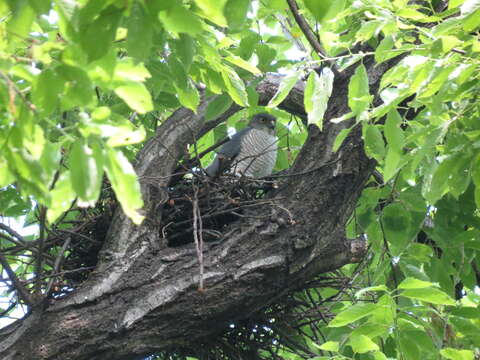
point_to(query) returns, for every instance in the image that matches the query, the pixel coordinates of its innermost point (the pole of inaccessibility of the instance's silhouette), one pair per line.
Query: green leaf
(472, 21)
(287, 83)
(476, 169)
(371, 329)
(63, 195)
(456, 354)
(180, 20)
(392, 163)
(136, 96)
(374, 144)
(238, 61)
(97, 37)
(213, 11)
(358, 91)
(140, 32)
(412, 283)
(184, 48)
(393, 132)
(340, 138)
(395, 140)
(235, 86)
(317, 94)
(430, 295)
(361, 292)
(6, 177)
(78, 89)
(383, 51)
(368, 29)
(188, 96)
(362, 344)
(329, 346)
(247, 45)
(40, 6)
(412, 14)
(86, 167)
(460, 179)
(397, 223)
(236, 12)
(266, 55)
(46, 91)
(353, 313)
(218, 106)
(386, 310)
(127, 69)
(21, 20)
(377, 355)
(125, 184)
(319, 9)
(124, 134)
(437, 185)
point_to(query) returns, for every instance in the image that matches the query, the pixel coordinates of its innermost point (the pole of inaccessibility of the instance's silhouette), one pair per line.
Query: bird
(251, 152)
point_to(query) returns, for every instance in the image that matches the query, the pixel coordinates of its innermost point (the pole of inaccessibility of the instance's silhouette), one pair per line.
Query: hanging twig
(197, 235)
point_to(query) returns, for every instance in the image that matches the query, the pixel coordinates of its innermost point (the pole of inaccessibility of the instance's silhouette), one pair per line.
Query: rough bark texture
(143, 296)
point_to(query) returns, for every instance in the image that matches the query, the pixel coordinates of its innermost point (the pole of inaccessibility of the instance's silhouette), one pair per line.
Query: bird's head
(265, 122)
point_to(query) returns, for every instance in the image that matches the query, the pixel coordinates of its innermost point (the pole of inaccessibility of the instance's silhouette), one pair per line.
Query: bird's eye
(262, 119)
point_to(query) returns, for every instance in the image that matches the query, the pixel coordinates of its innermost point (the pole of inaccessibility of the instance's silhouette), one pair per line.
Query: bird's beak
(271, 125)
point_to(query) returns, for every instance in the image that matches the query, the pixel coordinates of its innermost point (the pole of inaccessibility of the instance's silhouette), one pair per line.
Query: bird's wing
(232, 148)
(227, 153)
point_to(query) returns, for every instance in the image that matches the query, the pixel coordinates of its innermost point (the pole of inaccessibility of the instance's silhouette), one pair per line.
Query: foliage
(83, 84)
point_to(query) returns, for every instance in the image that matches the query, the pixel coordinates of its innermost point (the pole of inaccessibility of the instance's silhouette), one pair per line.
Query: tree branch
(21, 289)
(310, 36)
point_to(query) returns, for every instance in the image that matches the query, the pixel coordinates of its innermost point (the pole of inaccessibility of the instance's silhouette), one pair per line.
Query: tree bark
(143, 296)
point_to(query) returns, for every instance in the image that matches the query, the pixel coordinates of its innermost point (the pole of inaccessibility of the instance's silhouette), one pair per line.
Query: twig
(41, 240)
(317, 47)
(58, 262)
(21, 290)
(8, 309)
(197, 235)
(13, 233)
(11, 85)
(79, 234)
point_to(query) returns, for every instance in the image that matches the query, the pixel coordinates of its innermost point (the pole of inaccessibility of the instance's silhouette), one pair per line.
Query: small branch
(21, 290)
(58, 262)
(12, 86)
(41, 238)
(8, 309)
(8, 229)
(311, 38)
(197, 235)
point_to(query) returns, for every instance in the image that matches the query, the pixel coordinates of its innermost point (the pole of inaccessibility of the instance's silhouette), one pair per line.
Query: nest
(194, 206)
(212, 205)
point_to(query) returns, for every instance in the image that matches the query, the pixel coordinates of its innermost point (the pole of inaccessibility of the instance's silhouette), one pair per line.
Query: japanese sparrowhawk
(251, 152)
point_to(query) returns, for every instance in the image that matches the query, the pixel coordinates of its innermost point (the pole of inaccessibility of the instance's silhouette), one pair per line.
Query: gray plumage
(250, 152)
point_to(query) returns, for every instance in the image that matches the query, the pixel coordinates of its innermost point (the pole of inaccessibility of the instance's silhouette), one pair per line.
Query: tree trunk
(143, 296)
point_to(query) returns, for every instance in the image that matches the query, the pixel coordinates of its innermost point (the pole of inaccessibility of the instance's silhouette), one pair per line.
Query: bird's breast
(258, 154)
